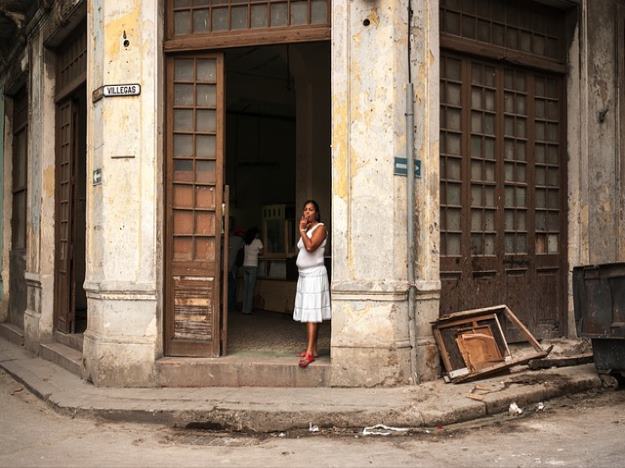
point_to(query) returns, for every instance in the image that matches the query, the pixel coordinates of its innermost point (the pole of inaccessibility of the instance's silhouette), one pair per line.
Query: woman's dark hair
(250, 235)
(316, 205)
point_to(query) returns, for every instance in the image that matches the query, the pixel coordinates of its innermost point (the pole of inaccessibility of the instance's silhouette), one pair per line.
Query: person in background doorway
(312, 299)
(253, 248)
(235, 260)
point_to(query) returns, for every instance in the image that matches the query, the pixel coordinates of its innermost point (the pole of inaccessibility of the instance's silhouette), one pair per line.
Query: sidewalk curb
(250, 410)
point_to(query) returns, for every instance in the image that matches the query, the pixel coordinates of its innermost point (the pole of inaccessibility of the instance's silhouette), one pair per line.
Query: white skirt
(312, 300)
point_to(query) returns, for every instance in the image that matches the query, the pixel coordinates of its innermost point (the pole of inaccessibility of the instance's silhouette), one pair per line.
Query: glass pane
(207, 71)
(453, 144)
(509, 172)
(183, 222)
(476, 220)
(453, 94)
(520, 150)
(453, 244)
(489, 220)
(206, 95)
(489, 245)
(183, 95)
(552, 155)
(520, 128)
(183, 170)
(452, 22)
(541, 247)
(509, 200)
(453, 219)
(476, 122)
(553, 200)
(205, 146)
(319, 12)
(183, 70)
(540, 176)
(239, 17)
(508, 102)
(540, 153)
(509, 243)
(205, 121)
(509, 220)
(520, 173)
(182, 3)
(520, 196)
(204, 249)
(205, 197)
(489, 148)
(205, 172)
(299, 12)
(476, 98)
(489, 196)
(453, 69)
(540, 131)
(205, 224)
(552, 244)
(540, 199)
(183, 196)
(183, 248)
(279, 14)
(453, 169)
(541, 221)
(489, 100)
(476, 170)
(200, 21)
(476, 146)
(476, 195)
(183, 120)
(476, 245)
(520, 105)
(260, 16)
(182, 22)
(489, 124)
(453, 119)
(220, 19)
(183, 145)
(540, 108)
(453, 194)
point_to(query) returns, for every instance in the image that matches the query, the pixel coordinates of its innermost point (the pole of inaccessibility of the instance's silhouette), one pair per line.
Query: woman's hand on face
(303, 222)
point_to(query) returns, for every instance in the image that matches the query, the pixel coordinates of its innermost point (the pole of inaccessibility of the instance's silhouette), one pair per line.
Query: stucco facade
(371, 64)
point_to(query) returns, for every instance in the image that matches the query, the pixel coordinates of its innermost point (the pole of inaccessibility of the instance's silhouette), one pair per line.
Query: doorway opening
(71, 176)
(277, 155)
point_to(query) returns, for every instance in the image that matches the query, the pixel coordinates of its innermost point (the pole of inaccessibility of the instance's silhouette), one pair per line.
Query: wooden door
(503, 203)
(64, 210)
(19, 191)
(194, 197)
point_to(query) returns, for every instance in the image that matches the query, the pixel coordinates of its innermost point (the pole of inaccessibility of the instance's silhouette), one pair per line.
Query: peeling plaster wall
(370, 344)
(3, 124)
(123, 282)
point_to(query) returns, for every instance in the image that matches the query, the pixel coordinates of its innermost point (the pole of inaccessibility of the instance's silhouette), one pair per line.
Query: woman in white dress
(312, 300)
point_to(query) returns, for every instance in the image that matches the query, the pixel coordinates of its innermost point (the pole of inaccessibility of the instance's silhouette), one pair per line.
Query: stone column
(123, 337)
(425, 67)
(38, 317)
(370, 340)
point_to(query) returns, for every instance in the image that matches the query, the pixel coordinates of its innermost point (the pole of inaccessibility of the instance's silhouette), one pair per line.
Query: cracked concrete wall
(596, 157)
(123, 337)
(370, 342)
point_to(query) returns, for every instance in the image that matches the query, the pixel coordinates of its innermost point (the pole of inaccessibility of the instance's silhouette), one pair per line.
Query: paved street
(583, 430)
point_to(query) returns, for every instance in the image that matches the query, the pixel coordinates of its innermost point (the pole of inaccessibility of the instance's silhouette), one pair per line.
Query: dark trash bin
(599, 301)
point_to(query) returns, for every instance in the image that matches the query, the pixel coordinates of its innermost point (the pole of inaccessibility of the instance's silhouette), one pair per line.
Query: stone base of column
(32, 314)
(120, 344)
(370, 367)
(370, 343)
(427, 310)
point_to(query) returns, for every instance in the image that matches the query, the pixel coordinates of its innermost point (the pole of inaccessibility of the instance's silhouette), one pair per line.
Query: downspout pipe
(410, 210)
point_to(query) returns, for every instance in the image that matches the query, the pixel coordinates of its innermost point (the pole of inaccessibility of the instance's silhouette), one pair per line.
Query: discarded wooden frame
(473, 345)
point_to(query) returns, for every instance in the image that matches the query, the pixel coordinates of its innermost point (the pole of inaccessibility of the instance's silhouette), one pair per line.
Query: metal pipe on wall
(410, 208)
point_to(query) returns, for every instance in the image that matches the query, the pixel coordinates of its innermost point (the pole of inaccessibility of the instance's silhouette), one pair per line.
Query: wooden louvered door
(503, 199)
(65, 148)
(194, 196)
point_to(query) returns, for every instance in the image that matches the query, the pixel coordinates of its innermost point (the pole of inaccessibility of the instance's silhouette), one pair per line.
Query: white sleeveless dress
(312, 300)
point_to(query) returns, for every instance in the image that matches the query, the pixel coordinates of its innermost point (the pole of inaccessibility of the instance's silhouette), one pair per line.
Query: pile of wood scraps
(472, 343)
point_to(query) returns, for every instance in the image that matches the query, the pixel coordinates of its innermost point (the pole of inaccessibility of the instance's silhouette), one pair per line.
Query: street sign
(401, 167)
(118, 90)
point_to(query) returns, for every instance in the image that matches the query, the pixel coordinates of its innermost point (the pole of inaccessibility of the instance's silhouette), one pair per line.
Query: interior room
(277, 156)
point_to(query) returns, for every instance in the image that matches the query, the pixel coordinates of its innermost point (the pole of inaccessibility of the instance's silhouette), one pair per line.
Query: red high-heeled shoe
(303, 353)
(307, 359)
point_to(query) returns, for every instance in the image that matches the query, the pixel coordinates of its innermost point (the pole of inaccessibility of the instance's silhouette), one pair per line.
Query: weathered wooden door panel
(65, 148)
(19, 191)
(194, 181)
(502, 199)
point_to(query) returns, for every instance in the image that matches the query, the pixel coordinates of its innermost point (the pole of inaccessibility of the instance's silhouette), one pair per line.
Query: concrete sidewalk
(260, 409)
